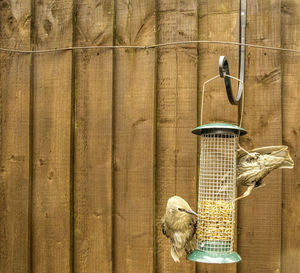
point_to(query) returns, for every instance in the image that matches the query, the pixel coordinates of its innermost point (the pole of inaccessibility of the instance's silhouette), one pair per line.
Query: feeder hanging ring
(224, 73)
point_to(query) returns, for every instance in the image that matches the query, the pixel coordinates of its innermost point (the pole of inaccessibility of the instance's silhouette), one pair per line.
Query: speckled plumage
(253, 166)
(180, 227)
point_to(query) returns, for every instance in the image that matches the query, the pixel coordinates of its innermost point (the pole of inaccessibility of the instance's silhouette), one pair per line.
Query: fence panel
(93, 138)
(134, 116)
(15, 131)
(176, 116)
(290, 252)
(259, 222)
(52, 103)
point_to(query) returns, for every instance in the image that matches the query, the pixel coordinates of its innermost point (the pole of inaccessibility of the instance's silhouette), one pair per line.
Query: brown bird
(253, 166)
(179, 225)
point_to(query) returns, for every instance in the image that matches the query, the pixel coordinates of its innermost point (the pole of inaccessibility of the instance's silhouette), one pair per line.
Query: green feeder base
(214, 258)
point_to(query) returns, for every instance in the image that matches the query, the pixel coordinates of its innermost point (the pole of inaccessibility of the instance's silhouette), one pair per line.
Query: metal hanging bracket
(223, 63)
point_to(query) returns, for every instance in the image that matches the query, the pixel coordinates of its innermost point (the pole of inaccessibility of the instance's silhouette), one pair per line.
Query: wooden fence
(94, 141)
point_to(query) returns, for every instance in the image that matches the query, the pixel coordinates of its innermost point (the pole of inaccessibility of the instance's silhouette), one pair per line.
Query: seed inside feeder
(215, 221)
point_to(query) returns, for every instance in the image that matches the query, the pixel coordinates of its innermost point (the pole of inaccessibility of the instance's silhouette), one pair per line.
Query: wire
(202, 99)
(156, 46)
(147, 47)
(203, 90)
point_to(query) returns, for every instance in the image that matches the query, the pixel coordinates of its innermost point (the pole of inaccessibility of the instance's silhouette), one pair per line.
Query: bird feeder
(217, 173)
(217, 193)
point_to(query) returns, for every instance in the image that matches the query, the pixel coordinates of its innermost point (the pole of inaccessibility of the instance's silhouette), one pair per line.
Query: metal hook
(223, 63)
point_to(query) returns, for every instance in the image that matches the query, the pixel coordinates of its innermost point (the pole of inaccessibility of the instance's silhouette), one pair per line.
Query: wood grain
(134, 116)
(218, 20)
(93, 138)
(176, 117)
(52, 139)
(290, 63)
(14, 138)
(131, 113)
(259, 220)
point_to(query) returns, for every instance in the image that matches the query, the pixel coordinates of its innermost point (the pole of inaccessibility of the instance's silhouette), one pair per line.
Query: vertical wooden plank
(218, 20)
(51, 138)
(259, 220)
(176, 117)
(134, 137)
(14, 137)
(93, 138)
(290, 63)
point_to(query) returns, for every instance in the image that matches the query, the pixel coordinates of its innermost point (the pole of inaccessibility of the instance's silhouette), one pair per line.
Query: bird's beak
(192, 212)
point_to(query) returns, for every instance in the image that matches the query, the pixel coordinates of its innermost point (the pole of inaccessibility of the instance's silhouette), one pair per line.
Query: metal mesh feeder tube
(216, 193)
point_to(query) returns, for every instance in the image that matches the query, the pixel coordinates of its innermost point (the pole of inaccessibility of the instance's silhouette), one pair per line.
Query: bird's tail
(176, 253)
(283, 152)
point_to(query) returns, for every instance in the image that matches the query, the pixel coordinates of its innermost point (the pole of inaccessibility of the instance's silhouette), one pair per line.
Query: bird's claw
(246, 193)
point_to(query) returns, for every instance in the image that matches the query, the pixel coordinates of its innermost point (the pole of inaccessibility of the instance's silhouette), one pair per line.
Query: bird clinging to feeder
(179, 224)
(253, 166)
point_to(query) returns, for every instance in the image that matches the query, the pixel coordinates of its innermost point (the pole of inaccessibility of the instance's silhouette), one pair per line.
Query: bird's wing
(270, 149)
(191, 245)
(280, 151)
(164, 228)
(263, 150)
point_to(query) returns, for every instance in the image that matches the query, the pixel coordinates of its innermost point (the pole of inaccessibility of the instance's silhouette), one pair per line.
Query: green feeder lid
(214, 258)
(211, 127)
